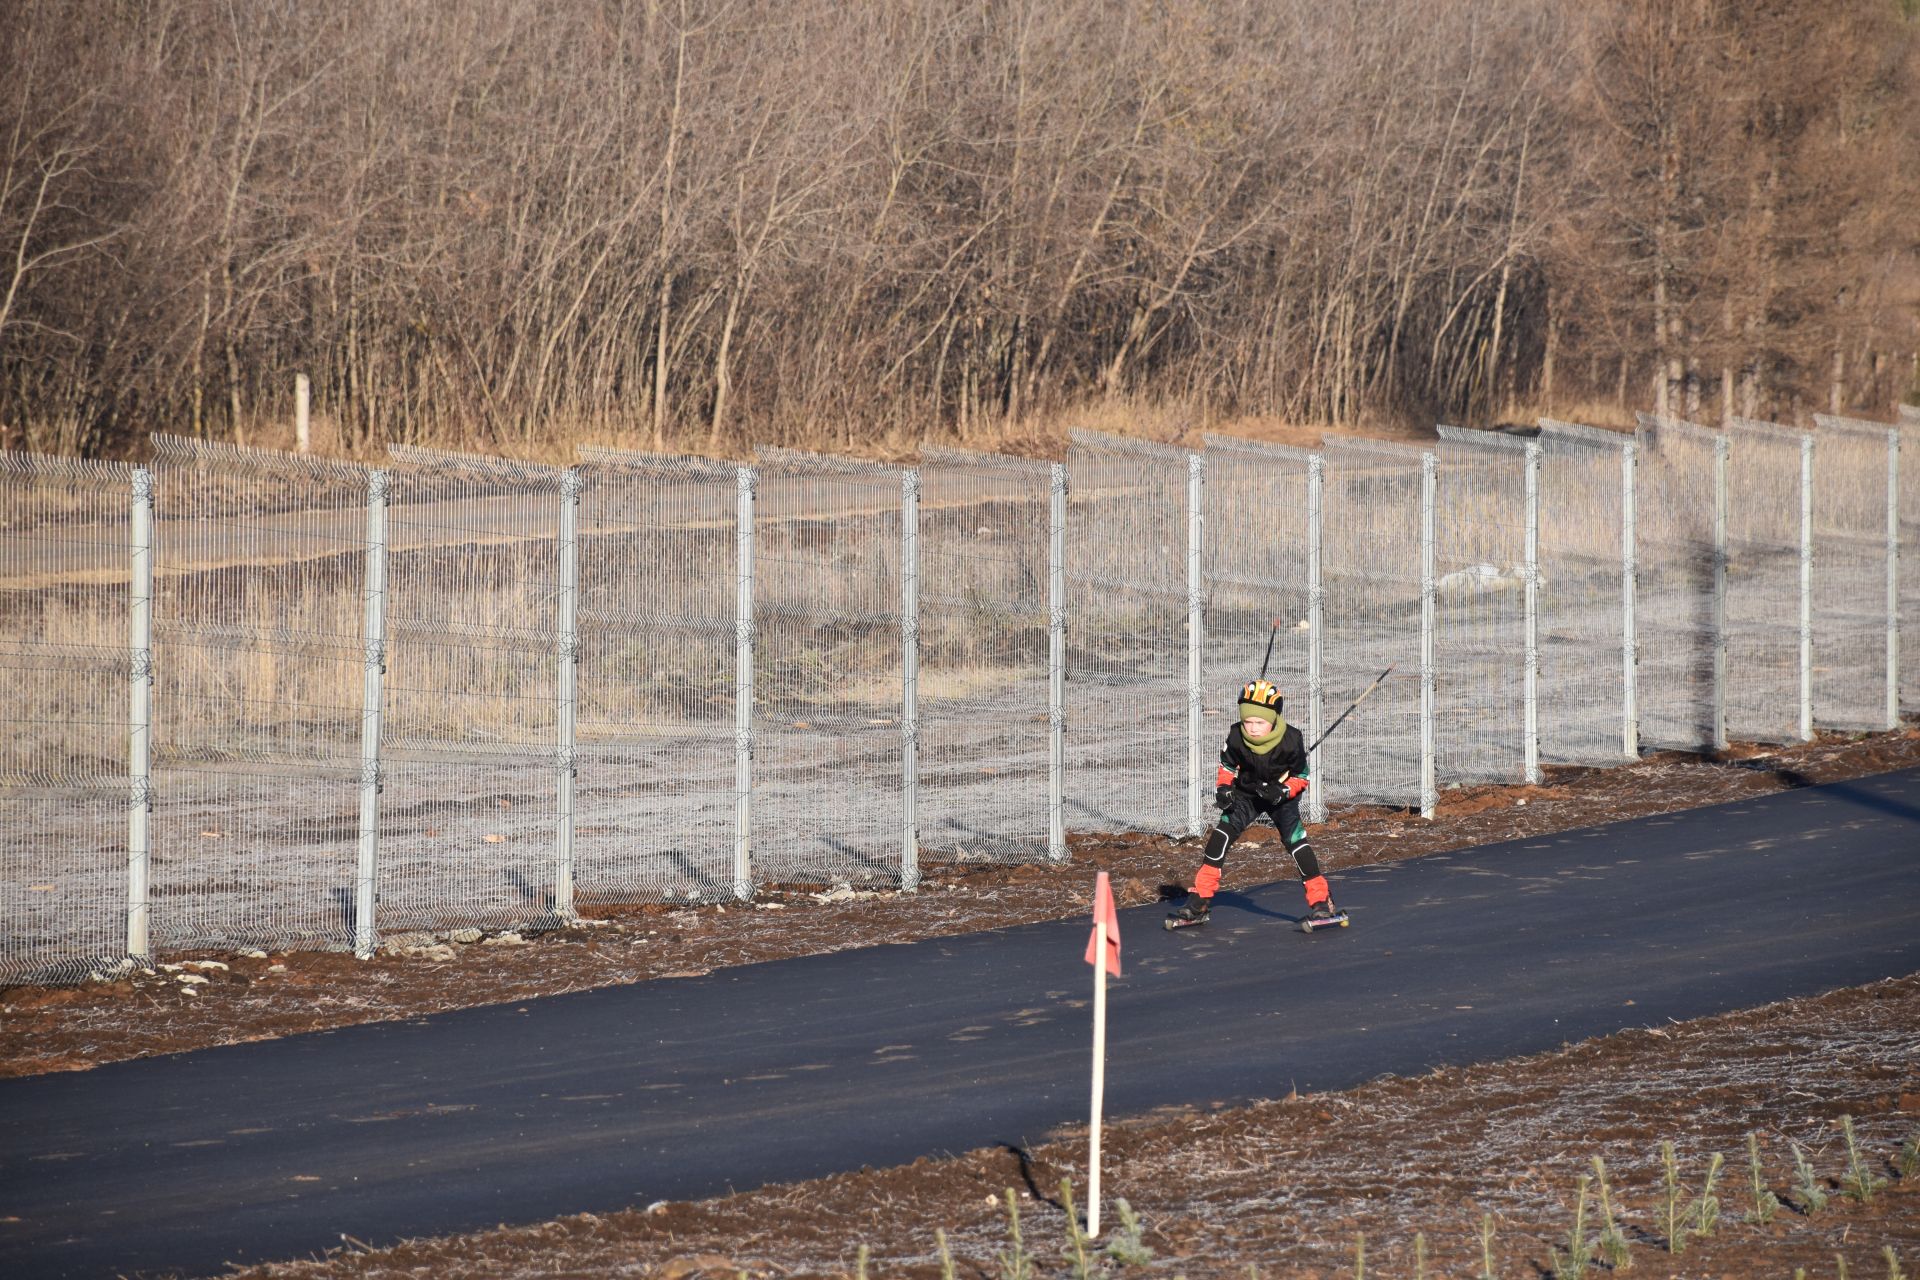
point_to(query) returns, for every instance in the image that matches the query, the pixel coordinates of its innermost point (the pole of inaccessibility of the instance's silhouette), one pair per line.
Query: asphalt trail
(683, 1088)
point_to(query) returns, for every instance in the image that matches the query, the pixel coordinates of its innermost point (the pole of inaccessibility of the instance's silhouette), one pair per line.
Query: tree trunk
(1661, 354)
(1551, 355)
(660, 363)
(721, 381)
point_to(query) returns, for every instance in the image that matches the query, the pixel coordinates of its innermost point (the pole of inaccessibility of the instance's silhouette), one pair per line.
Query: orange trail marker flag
(1109, 939)
(1103, 953)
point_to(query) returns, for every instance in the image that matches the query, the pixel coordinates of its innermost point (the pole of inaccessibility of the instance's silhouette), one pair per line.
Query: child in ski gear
(1263, 768)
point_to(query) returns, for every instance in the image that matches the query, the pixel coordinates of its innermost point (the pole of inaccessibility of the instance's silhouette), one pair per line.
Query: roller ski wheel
(1325, 916)
(1190, 916)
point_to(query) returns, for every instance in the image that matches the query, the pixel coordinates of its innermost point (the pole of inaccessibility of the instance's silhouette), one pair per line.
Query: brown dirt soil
(1288, 1185)
(259, 996)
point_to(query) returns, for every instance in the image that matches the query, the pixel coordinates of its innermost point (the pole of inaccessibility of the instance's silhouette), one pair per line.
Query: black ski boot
(1196, 910)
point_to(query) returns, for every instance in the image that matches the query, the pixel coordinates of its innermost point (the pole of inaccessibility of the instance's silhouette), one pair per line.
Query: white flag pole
(1099, 1072)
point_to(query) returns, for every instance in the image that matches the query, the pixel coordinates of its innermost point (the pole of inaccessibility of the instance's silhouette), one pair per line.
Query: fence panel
(984, 524)
(1256, 559)
(655, 748)
(828, 795)
(64, 671)
(1371, 573)
(1674, 511)
(1126, 635)
(1850, 574)
(1480, 591)
(1582, 612)
(1763, 581)
(258, 658)
(468, 751)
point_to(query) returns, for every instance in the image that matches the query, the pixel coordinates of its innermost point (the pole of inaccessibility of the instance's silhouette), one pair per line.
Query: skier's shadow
(1228, 898)
(1241, 902)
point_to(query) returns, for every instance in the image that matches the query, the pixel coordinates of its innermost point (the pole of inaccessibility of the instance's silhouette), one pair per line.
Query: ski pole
(1356, 702)
(1270, 639)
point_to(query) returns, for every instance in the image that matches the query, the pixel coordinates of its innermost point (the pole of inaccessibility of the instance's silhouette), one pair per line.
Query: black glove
(1223, 797)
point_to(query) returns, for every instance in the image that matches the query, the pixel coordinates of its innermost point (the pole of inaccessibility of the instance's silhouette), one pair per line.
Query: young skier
(1263, 768)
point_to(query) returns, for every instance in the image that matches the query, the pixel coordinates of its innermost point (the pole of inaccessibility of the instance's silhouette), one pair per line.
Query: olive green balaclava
(1260, 746)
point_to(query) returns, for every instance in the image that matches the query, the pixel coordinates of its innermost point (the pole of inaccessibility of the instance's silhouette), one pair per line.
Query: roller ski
(1195, 911)
(1324, 915)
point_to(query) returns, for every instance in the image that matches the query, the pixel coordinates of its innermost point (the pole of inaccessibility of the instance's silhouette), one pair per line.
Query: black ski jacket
(1262, 776)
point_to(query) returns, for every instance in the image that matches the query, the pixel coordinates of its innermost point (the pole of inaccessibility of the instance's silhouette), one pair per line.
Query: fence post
(1316, 593)
(1196, 601)
(1429, 788)
(567, 660)
(365, 894)
(1057, 665)
(1806, 588)
(743, 689)
(1720, 449)
(1532, 644)
(1893, 578)
(910, 677)
(140, 717)
(1629, 589)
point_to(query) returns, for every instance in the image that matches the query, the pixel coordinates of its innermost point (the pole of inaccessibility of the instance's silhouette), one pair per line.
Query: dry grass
(1040, 435)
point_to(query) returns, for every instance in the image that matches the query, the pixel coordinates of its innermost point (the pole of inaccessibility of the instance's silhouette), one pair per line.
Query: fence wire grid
(256, 699)
(1766, 466)
(1481, 587)
(65, 667)
(469, 733)
(1371, 575)
(1128, 756)
(656, 738)
(829, 670)
(260, 566)
(1850, 490)
(1584, 473)
(984, 662)
(1258, 544)
(1676, 555)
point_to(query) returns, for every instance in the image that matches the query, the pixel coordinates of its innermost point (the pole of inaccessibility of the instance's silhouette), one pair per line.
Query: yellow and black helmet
(1261, 698)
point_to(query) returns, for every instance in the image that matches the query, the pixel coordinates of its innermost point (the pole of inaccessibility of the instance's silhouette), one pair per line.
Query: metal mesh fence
(1127, 756)
(1582, 606)
(1850, 574)
(1256, 557)
(1764, 466)
(469, 736)
(1372, 620)
(559, 722)
(984, 524)
(1675, 606)
(828, 775)
(260, 565)
(1481, 582)
(655, 733)
(64, 671)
